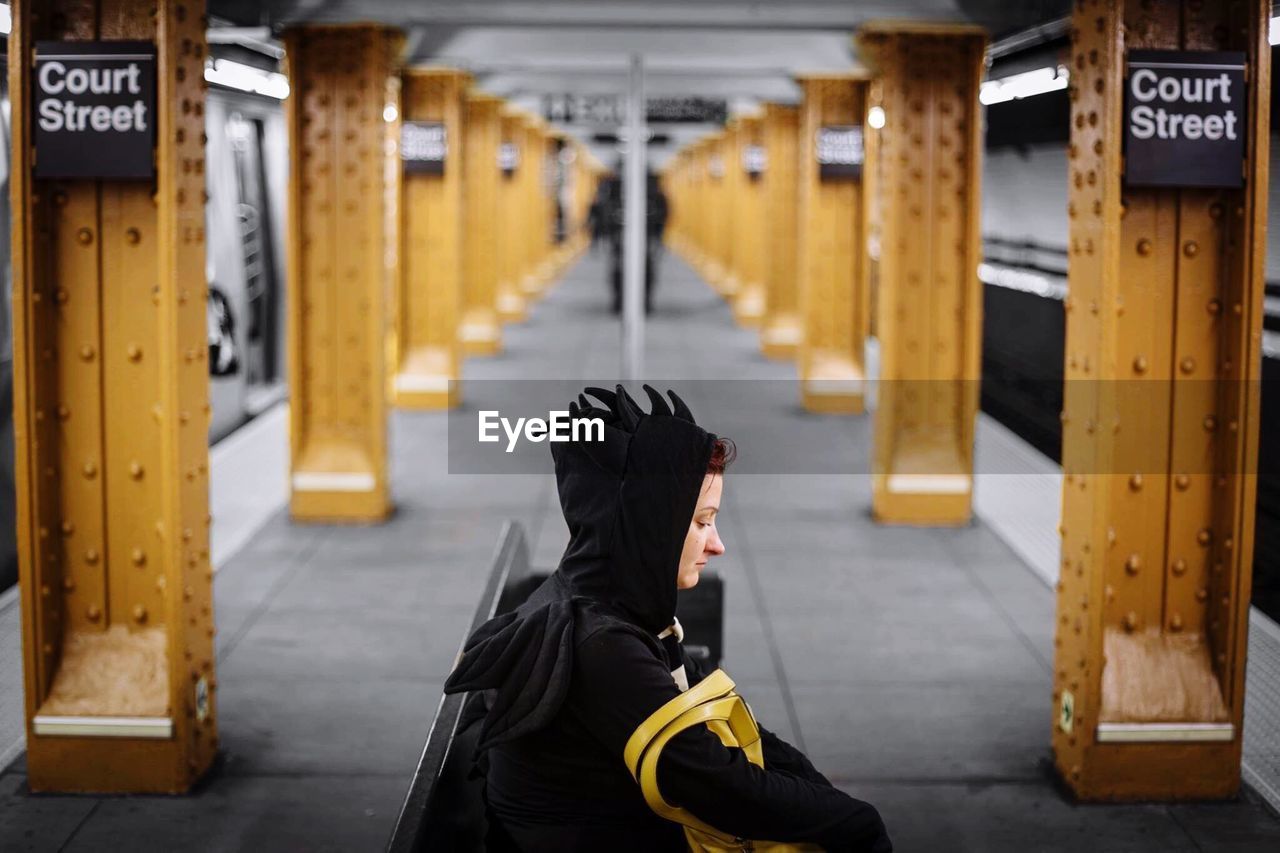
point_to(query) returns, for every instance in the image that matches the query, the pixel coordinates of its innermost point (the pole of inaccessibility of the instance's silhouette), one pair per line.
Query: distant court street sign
(508, 158)
(754, 160)
(424, 146)
(840, 151)
(611, 109)
(95, 109)
(1184, 119)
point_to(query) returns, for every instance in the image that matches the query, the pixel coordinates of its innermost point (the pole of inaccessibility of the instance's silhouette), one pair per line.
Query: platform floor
(912, 665)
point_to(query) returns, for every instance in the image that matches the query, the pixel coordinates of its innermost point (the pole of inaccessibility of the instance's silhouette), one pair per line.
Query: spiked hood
(628, 500)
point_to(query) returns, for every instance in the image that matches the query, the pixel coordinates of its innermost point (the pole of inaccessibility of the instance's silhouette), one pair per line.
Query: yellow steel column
(533, 188)
(1160, 427)
(781, 331)
(731, 180)
(480, 332)
(929, 300)
(720, 268)
(110, 414)
(751, 234)
(832, 252)
(341, 233)
(511, 237)
(428, 294)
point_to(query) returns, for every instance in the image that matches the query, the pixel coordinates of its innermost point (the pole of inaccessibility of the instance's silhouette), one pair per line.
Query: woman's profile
(593, 658)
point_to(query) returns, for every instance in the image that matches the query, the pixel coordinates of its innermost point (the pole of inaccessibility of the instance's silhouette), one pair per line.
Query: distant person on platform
(607, 216)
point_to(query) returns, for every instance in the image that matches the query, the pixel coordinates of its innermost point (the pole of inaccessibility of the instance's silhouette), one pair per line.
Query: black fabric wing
(525, 659)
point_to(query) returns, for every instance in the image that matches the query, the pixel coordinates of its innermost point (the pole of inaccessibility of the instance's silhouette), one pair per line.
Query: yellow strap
(714, 686)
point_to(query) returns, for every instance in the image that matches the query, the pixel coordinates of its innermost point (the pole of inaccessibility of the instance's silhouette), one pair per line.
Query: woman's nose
(714, 545)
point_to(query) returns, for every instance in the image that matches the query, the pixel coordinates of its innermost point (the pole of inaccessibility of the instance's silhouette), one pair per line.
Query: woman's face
(702, 541)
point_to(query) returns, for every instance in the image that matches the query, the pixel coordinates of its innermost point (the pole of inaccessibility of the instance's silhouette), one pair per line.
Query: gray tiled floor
(913, 665)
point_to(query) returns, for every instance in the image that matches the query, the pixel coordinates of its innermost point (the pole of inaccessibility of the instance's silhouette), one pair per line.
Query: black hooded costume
(568, 676)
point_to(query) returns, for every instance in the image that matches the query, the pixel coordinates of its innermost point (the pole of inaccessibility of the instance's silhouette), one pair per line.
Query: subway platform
(913, 665)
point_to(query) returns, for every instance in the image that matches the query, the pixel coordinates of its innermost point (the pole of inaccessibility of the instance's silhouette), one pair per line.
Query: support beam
(781, 330)
(481, 331)
(1160, 425)
(929, 302)
(536, 200)
(718, 216)
(111, 409)
(342, 225)
(635, 226)
(428, 297)
(832, 253)
(751, 234)
(512, 237)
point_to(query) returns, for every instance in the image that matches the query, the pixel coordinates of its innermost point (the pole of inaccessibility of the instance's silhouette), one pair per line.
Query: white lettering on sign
(66, 114)
(1145, 85)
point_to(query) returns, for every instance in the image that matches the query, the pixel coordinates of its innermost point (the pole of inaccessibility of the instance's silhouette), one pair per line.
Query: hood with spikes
(628, 500)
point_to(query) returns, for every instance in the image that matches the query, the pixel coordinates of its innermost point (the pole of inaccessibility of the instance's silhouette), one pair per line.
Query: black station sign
(95, 109)
(424, 146)
(754, 160)
(508, 158)
(612, 109)
(839, 151)
(1184, 118)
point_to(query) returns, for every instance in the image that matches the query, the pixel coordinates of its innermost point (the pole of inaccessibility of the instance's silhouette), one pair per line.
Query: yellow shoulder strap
(715, 685)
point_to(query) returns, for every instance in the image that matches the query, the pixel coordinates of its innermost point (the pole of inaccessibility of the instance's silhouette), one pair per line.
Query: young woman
(569, 676)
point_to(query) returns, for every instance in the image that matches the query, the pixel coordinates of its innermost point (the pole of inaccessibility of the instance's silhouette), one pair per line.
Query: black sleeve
(618, 683)
(778, 754)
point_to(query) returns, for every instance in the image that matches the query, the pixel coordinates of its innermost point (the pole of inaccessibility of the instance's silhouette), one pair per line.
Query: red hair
(723, 452)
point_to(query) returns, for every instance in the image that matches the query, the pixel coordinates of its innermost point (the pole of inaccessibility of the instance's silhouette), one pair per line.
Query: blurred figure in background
(607, 220)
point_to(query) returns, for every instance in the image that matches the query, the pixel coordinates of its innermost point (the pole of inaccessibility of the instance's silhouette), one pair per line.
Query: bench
(443, 809)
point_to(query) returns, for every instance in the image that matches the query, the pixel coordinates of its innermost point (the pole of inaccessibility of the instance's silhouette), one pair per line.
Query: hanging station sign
(424, 146)
(839, 151)
(508, 158)
(754, 160)
(611, 109)
(94, 109)
(1184, 119)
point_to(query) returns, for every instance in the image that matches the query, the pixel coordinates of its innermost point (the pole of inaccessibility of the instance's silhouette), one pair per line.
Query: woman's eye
(704, 524)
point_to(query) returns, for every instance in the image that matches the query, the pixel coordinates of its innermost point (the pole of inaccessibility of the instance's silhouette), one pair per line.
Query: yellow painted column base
(480, 333)
(338, 507)
(512, 307)
(1131, 772)
(426, 380)
(93, 765)
(748, 307)
(922, 508)
(832, 385)
(335, 484)
(780, 337)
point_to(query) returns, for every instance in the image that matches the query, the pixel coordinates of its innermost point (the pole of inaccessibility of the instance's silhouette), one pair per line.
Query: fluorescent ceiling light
(6, 21)
(1275, 30)
(246, 78)
(1023, 85)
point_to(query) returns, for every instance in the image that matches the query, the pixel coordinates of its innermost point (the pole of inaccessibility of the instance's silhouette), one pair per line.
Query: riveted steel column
(511, 238)
(424, 339)
(781, 331)
(1160, 429)
(342, 251)
(832, 253)
(111, 408)
(717, 264)
(481, 332)
(533, 182)
(750, 239)
(929, 300)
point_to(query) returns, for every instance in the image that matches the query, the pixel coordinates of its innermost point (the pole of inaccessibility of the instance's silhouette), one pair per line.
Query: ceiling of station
(742, 51)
